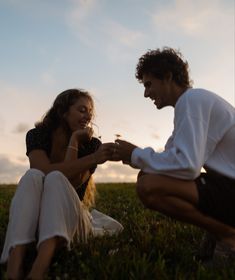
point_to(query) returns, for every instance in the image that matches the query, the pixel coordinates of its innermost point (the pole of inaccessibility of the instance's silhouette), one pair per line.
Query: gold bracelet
(73, 148)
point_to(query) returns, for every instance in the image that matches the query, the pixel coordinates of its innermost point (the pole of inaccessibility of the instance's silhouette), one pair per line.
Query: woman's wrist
(72, 148)
(73, 143)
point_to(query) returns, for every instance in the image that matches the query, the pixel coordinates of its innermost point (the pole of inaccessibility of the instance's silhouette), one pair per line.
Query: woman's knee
(54, 179)
(32, 177)
(33, 172)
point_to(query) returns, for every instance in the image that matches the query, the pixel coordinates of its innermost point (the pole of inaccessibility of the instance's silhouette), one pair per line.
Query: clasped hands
(120, 150)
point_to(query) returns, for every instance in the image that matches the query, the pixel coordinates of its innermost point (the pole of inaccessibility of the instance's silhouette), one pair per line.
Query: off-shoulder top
(40, 138)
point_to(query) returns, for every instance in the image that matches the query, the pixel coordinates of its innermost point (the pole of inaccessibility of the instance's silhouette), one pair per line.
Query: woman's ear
(65, 116)
(62, 115)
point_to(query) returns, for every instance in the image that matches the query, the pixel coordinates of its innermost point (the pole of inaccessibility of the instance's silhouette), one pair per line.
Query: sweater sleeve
(185, 152)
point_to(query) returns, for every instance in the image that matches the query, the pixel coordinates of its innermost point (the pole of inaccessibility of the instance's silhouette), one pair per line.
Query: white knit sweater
(203, 136)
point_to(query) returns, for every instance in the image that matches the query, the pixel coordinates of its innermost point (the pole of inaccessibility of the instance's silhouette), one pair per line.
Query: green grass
(151, 246)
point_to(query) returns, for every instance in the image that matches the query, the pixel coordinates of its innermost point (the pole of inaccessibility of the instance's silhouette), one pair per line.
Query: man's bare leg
(178, 199)
(15, 262)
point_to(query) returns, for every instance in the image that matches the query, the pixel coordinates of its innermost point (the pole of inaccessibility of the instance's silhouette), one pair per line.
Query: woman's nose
(88, 116)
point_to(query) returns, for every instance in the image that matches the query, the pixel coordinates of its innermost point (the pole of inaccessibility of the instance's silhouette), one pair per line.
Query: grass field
(151, 246)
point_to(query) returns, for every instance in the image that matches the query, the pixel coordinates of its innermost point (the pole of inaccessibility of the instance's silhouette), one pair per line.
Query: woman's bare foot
(46, 251)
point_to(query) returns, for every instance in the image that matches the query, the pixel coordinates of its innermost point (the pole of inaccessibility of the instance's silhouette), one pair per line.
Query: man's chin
(158, 106)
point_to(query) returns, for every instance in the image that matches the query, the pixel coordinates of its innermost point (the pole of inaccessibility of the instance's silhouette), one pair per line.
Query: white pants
(49, 206)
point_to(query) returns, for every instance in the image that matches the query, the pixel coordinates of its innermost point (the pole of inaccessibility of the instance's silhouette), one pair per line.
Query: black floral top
(40, 138)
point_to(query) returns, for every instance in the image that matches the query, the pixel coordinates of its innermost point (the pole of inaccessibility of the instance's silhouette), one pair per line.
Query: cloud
(81, 10)
(115, 172)
(22, 102)
(22, 159)
(194, 18)
(122, 35)
(21, 128)
(48, 78)
(42, 8)
(10, 171)
(121, 42)
(2, 124)
(88, 22)
(20, 108)
(79, 19)
(205, 31)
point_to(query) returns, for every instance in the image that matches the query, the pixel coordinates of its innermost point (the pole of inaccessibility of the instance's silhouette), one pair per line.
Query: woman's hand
(120, 150)
(104, 152)
(123, 151)
(77, 138)
(81, 136)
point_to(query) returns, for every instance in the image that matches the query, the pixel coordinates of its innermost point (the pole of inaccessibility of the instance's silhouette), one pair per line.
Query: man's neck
(178, 91)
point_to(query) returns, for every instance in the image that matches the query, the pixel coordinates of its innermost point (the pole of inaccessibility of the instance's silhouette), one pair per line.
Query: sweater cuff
(134, 158)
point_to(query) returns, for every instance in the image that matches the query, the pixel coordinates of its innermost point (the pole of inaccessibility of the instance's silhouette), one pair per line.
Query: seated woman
(51, 202)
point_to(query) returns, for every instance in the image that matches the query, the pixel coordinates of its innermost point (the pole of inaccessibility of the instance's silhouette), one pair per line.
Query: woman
(51, 202)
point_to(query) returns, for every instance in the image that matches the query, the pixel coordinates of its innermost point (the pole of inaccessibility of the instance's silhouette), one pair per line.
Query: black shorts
(217, 197)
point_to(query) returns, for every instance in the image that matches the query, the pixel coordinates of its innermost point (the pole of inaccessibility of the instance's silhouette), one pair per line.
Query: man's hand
(123, 151)
(104, 152)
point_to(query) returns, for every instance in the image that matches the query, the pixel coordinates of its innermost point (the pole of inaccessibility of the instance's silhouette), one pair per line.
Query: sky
(49, 46)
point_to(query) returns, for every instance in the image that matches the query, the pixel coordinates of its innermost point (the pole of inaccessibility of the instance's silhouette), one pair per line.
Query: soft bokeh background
(48, 46)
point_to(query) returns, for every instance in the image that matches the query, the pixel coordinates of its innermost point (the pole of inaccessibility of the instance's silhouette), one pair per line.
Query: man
(203, 136)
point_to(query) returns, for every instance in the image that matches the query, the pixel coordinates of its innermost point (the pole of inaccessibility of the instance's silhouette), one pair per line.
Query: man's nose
(146, 93)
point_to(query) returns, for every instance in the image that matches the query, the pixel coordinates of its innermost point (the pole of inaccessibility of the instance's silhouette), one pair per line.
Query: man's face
(157, 90)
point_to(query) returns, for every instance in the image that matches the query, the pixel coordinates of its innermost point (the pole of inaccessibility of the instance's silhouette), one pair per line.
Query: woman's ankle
(14, 273)
(15, 263)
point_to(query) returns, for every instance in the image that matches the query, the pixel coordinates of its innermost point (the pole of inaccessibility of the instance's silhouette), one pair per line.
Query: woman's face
(79, 114)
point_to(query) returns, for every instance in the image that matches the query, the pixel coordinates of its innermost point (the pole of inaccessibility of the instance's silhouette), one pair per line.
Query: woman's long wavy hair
(90, 194)
(54, 118)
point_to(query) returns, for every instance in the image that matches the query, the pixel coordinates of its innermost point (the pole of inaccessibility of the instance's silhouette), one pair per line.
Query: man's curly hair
(159, 63)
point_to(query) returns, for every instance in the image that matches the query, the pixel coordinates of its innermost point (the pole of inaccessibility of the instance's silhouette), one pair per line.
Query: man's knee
(148, 190)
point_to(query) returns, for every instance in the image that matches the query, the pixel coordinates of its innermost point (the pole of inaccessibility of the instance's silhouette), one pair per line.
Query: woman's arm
(76, 140)
(38, 159)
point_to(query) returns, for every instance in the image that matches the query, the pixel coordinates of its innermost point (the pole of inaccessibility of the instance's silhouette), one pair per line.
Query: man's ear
(168, 77)
(65, 115)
